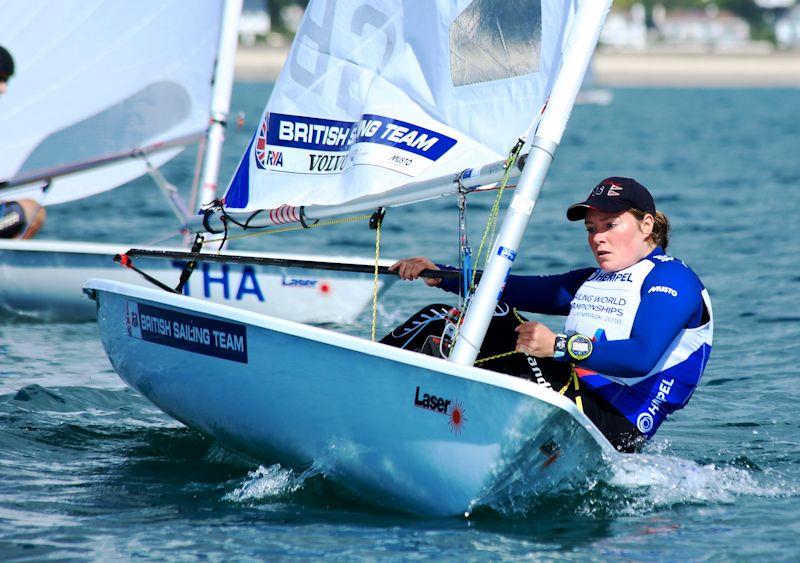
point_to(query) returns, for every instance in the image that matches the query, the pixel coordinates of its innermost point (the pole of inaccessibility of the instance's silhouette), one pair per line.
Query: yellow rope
(578, 400)
(573, 378)
(491, 225)
(495, 357)
(273, 231)
(375, 279)
(504, 354)
(491, 222)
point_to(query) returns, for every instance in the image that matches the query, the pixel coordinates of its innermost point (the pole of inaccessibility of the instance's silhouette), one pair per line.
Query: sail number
(371, 28)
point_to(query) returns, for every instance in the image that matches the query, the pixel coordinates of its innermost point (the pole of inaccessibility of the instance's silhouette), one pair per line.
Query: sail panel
(495, 39)
(100, 78)
(375, 95)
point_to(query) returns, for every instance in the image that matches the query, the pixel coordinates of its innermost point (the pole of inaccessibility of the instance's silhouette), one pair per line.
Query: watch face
(560, 347)
(579, 347)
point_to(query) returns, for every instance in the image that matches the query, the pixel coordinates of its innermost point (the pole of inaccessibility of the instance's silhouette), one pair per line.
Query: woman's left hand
(535, 339)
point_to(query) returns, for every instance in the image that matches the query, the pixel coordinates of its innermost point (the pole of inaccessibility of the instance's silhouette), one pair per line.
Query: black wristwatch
(560, 347)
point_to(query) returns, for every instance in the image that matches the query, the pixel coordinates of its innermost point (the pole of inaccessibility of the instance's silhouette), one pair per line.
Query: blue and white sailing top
(651, 323)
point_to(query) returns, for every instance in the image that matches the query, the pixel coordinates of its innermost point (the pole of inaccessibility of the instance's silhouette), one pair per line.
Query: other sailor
(6, 69)
(639, 327)
(23, 218)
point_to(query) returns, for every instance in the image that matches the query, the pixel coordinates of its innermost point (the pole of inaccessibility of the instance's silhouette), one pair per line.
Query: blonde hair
(660, 234)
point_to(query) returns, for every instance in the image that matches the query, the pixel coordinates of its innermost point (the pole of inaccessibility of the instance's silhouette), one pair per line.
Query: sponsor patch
(522, 204)
(449, 407)
(187, 332)
(326, 162)
(601, 276)
(266, 158)
(644, 422)
(317, 134)
(507, 253)
(400, 160)
(664, 258)
(551, 450)
(298, 282)
(663, 289)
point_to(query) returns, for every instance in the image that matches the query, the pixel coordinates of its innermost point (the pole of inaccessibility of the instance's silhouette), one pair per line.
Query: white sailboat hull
(399, 429)
(43, 279)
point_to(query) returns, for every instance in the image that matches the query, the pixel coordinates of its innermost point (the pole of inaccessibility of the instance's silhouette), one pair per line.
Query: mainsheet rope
(573, 378)
(491, 225)
(375, 276)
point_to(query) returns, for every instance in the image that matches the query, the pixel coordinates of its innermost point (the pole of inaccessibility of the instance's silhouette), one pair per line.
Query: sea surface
(91, 470)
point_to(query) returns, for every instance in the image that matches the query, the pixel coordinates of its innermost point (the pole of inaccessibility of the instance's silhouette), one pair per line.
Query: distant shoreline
(657, 69)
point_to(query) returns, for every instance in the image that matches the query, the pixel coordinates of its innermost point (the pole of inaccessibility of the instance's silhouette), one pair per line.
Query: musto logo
(449, 407)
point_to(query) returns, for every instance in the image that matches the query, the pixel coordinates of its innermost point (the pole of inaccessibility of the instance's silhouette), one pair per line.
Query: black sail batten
(284, 262)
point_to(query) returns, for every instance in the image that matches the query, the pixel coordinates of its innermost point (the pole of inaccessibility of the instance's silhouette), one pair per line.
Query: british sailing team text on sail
(329, 134)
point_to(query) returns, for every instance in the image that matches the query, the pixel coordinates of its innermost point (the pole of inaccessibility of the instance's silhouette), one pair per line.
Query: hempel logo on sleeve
(663, 289)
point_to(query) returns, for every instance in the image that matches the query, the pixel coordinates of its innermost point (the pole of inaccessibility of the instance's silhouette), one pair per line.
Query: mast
(578, 53)
(221, 98)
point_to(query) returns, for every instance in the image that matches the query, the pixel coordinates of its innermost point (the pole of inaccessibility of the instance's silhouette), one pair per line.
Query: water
(89, 469)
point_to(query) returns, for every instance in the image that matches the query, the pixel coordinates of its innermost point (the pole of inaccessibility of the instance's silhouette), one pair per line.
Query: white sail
(80, 95)
(388, 93)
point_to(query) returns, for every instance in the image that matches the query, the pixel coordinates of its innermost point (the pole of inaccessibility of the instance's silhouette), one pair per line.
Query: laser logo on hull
(452, 408)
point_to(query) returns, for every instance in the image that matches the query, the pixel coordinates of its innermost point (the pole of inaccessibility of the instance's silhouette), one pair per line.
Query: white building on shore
(710, 28)
(625, 29)
(787, 29)
(254, 22)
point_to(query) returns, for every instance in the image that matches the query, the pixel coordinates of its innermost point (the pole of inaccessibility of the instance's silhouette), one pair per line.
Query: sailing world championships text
(331, 135)
(188, 332)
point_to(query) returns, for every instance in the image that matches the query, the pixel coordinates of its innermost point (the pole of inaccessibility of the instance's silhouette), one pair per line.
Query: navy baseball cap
(613, 195)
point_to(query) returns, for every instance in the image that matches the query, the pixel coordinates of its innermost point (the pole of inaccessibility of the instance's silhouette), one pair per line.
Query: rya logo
(264, 155)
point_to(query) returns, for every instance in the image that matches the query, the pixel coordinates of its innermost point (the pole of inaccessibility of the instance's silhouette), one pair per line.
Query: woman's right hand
(410, 268)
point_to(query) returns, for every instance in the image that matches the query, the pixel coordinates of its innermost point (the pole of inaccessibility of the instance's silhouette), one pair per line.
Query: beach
(618, 69)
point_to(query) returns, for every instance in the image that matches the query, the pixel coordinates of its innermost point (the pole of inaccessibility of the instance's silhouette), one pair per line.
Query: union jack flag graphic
(261, 145)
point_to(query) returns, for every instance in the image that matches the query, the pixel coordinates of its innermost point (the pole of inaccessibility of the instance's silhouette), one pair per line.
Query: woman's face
(618, 240)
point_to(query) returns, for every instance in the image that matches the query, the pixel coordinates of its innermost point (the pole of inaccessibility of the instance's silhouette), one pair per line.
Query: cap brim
(578, 211)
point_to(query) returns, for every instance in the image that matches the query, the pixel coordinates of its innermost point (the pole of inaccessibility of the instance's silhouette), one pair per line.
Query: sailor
(639, 327)
(6, 69)
(23, 218)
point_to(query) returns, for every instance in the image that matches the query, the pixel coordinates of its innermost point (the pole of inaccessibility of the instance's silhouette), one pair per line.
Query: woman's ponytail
(660, 234)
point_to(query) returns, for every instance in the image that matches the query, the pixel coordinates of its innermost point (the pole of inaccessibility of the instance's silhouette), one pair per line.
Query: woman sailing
(638, 331)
